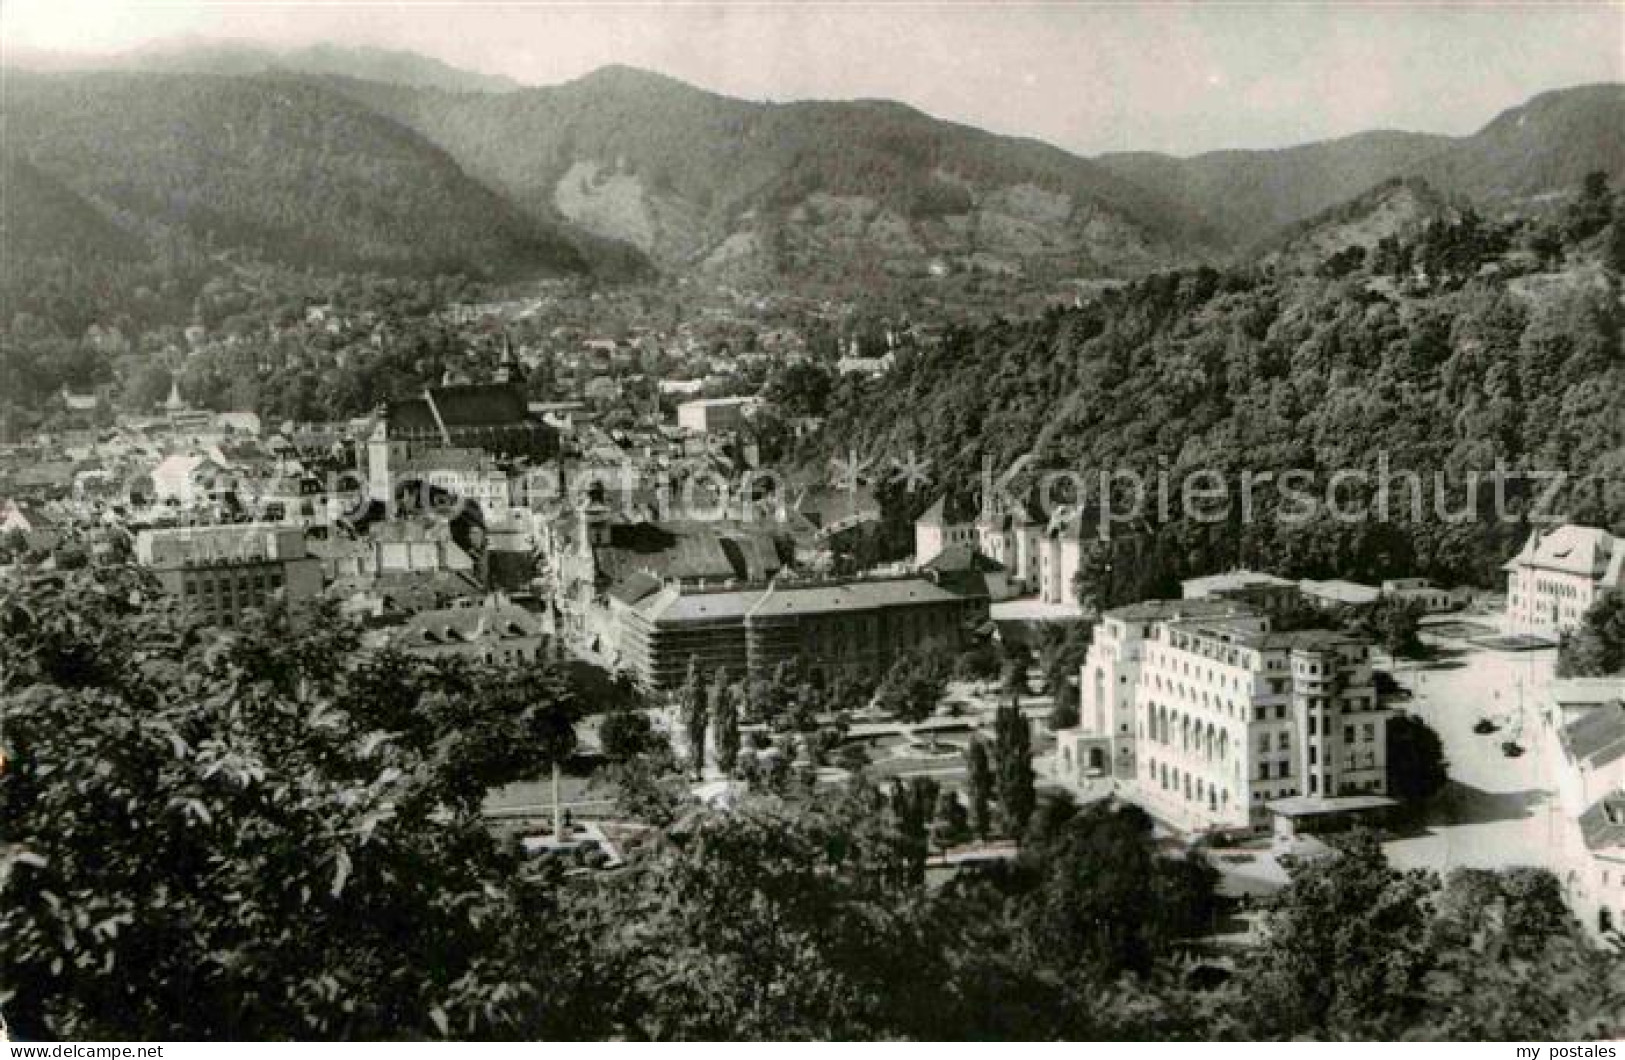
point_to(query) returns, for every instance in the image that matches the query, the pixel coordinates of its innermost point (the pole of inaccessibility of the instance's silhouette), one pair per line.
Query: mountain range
(400, 163)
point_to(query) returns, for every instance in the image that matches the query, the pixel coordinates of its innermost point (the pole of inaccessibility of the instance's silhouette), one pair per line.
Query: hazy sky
(1095, 77)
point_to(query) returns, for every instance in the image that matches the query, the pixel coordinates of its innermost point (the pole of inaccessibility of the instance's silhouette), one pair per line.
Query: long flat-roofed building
(827, 627)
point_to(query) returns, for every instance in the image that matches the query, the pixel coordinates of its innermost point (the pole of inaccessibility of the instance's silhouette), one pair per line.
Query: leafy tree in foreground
(913, 686)
(1394, 623)
(625, 734)
(1345, 950)
(249, 835)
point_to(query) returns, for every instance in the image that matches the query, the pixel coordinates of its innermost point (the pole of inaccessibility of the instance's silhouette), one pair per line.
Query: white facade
(933, 533)
(1215, 716)
(1231, 717)
(1420, 591)
(1015, 543)
(711, 415)
(1558, 576)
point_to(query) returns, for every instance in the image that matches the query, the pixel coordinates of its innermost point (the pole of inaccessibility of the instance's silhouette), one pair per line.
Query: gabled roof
(462, 625)
(467, 405)
(962, 559)
(689, 551)
(1602, 825)
(1582, 550)
(936, 515)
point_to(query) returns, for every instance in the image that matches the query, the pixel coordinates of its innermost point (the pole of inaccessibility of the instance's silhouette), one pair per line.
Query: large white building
(1559, 575)
(714, 415)
(1590, 761)
(1110, 681)
(1222, 719)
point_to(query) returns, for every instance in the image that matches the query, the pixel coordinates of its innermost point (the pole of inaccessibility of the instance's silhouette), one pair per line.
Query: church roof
(688, 551)
(470, 405)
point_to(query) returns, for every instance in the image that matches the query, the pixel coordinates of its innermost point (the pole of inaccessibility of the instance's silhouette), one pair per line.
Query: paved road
(1497, 811)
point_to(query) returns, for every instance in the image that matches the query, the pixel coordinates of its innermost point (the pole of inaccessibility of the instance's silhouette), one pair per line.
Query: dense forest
(1463, 346)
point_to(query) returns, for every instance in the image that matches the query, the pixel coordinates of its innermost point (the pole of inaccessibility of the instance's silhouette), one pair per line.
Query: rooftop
(672, 604)
(1602, 825)
(459, 625)
(1583, 550)
(1596, 738)
(1163, 610)
(1337, 589)
(1231, 580)
(851, 596)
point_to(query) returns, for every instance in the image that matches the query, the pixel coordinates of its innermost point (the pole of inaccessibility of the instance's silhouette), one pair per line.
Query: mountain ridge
(276, 166)
(624, 166)
(240, 57)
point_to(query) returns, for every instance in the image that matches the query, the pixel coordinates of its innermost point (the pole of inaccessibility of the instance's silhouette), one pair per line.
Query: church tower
(508, 369)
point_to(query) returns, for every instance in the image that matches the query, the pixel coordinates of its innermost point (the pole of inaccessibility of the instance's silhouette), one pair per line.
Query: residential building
(490, 630)
(394, 547)
(219, 572)
(1419, 591)
(1559, 575)
(187, 479)
(1588, 718)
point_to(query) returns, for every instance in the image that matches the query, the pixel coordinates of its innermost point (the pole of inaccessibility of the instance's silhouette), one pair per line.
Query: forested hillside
(193, 55)
(683, 173)
(1248, 194)
(1467, 345)
(273, 167)
(1526, 153)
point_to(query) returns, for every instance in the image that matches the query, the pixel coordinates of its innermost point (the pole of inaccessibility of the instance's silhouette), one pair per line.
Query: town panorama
(489, 553)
